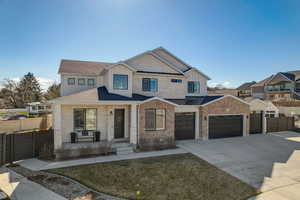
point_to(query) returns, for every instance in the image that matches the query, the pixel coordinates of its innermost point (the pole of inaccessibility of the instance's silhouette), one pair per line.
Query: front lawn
(182, 176)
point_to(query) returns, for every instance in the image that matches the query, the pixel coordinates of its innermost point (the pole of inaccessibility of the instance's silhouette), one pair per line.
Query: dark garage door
(225, 126)
(184, 126)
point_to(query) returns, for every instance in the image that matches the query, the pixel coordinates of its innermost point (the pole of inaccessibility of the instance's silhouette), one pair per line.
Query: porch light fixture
(205, 118)
(111, 112)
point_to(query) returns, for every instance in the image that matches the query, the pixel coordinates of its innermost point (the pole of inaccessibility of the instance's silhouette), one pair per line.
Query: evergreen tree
(53, 92)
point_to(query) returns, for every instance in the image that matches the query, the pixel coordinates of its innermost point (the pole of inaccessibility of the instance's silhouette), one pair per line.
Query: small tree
(9, 94)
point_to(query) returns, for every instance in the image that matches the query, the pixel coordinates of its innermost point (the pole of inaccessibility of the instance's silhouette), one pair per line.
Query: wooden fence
(19, 146)
(280, 124)
(41, 123)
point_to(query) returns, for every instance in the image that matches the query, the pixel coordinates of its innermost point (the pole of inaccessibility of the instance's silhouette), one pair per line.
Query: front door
(119, 123)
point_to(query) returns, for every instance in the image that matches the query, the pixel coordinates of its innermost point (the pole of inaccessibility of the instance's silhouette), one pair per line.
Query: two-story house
(148, 101)
(244, 90)
(278, 87)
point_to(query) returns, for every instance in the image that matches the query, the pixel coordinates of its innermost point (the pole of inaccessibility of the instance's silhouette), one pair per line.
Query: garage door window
(155, 119)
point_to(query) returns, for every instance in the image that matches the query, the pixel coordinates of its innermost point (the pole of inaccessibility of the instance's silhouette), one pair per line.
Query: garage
(223, 126)
(185, 126)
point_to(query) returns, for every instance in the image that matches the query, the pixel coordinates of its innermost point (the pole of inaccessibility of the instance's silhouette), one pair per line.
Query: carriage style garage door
(185, 126)
(225, 126)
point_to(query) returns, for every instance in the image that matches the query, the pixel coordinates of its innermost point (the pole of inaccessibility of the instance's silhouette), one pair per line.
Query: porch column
(56, 111)
(264, 122)
(133, 124)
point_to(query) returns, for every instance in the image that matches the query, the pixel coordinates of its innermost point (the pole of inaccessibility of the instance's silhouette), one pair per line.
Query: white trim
(228, 95)
(121, 63)
(161, 48)
(197, 70)
(165, 61)
(160, 99)
(156, 56)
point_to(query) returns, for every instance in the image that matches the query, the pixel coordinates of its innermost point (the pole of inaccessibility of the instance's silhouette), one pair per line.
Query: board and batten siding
(166, 88)
(71, 89)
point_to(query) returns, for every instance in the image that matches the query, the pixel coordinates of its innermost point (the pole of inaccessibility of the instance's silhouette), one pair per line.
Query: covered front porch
(93, 129)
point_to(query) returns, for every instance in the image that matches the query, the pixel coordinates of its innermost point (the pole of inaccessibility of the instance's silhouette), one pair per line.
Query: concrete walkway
(18, 187)
(270, 163)
(36, 165)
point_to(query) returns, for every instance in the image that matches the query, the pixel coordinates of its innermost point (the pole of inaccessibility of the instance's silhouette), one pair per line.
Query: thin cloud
(225, 84)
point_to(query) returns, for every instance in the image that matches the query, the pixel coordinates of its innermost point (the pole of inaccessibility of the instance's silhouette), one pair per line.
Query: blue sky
(231, 41)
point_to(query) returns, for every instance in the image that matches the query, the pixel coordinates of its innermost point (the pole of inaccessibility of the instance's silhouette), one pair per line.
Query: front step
(123, 148)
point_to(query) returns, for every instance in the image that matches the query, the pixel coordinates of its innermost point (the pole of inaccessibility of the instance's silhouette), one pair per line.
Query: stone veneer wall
(225, 106)
(161, 139)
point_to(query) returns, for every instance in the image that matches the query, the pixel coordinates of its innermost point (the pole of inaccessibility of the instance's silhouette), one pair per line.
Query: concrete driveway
(270, 163)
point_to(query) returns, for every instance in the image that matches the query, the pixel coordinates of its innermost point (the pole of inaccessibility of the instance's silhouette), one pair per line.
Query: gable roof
(95, 68)
(195, 100)
(246, 86)
(171, 58)
(289, 75)
(195, 69)
(157, 57)
(82, 67)
(262, 82)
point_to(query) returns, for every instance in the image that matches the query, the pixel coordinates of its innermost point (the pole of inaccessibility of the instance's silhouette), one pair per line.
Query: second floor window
(150, 84)
(71, 81)
(81, 81)
(120, 82)
(91, 82)
(193, 87)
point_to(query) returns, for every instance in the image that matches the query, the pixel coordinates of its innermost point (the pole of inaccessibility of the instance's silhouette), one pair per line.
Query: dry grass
(167, 177)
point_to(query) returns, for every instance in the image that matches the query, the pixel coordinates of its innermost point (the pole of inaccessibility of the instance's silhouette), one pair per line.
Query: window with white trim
(91, 82)
(150, 84)
(81, 81)
(193, 87)
(71, 81)
(155, 119)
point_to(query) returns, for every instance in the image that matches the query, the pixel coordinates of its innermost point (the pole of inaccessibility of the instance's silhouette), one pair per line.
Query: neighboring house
(38, 108)
(150, 101)
(278, 87)
(216, 91)
(244, 90)
(269, 109)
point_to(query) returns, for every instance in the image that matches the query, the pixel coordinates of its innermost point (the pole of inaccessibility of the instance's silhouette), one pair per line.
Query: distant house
(278, 87)
(37, 108)
(225, 91)
(245, 89)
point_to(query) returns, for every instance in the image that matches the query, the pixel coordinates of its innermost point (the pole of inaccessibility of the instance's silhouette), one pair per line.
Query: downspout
(137, 124)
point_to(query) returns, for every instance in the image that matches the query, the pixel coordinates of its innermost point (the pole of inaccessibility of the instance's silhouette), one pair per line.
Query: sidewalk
(36, 165)
(18, 187)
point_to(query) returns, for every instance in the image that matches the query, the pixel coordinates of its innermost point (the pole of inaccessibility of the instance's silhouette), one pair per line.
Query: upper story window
(71, 81)
(193, 87)
(81, 81)
(120, 82)
(176, 80)
(150, 84)
(91, 82)
(155, 119)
